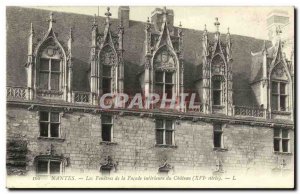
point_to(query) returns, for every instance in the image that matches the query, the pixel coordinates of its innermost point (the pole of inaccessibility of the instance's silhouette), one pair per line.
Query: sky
(248, 21)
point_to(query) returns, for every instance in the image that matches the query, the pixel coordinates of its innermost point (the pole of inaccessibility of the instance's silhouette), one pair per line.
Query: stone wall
(247, 148)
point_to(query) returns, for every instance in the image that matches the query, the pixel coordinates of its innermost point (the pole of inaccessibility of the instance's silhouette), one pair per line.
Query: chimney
(157, 18)
(123, 15)
(275, 19)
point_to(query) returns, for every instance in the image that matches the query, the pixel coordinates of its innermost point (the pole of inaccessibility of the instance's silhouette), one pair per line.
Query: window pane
(106, 132)
(54, 167)
(44, 116)
(282, 88)
(276, 145)
(42, 167)
(55, 65)
(159, 137)
(44, 65)
(217, 97)
(285, 134)
(44, 78)
(216, 84)
(217, 139)
(54, 130)
(106, 85)
(169, 77)
(106, 71)
(169, 124)
(285, 145)
(159, 76)
(283, 103)
(159, 124)
(54, 81)
(55, 117)
(44, 129)
(169, 137)
(274, 102)
(274, 87)
(105, 119)
(159, 89)
(276, 132)
(169, 91)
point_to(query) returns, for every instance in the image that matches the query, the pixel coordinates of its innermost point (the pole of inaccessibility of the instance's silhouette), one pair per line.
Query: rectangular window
(216, 92)
(48, 167)
(49, 75)
(281, 140)
(164, 132)
(164, 83)
(49, 124)
(279, 96)
(218, 136)
(107, 127)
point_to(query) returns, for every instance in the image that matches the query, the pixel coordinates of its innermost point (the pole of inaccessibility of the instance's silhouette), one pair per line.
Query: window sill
(51, 138)
(220, 149)
(281, 112)
(282, 153)
(108, 143)
(165, 146)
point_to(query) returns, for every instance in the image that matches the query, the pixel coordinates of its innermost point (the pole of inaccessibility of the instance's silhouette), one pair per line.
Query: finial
(217, 24)
(228, 31)
(205, 27)
(108, 14)
(51, 20)
(180, 24)
(148, 20)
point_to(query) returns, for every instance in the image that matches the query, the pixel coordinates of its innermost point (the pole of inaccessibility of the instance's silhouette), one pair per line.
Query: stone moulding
(67, 108)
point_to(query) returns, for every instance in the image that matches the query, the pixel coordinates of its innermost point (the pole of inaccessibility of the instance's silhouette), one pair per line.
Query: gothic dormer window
(49, 66)
(163, 59)
(216, 83)
(107, 67)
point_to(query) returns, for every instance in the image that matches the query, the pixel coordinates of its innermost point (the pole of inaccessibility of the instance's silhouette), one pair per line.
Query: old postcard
(150, 97)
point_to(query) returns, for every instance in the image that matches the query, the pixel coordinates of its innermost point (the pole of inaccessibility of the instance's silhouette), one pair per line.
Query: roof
(18, 26)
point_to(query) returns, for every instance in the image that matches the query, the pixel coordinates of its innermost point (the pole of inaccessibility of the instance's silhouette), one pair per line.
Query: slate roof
(18, 25)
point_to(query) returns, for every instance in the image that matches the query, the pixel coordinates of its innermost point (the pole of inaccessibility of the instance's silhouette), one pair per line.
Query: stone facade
(246, 134)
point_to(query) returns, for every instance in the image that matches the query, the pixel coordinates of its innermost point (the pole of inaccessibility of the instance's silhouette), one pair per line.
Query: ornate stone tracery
(107, 51)
(49, 49)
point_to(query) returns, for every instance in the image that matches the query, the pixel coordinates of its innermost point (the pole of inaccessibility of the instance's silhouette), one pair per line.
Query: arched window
(279, 89)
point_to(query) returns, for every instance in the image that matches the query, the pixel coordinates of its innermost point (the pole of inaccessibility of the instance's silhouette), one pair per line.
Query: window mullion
(164, 133)
(49, 124)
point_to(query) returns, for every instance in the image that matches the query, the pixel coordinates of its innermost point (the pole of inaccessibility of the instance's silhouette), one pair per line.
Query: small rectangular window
(281, 140)
(216, 97)
(169, 78)
(164, 132)
(107, 125)
(49, 124)
(48, 167)
(218, 136)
